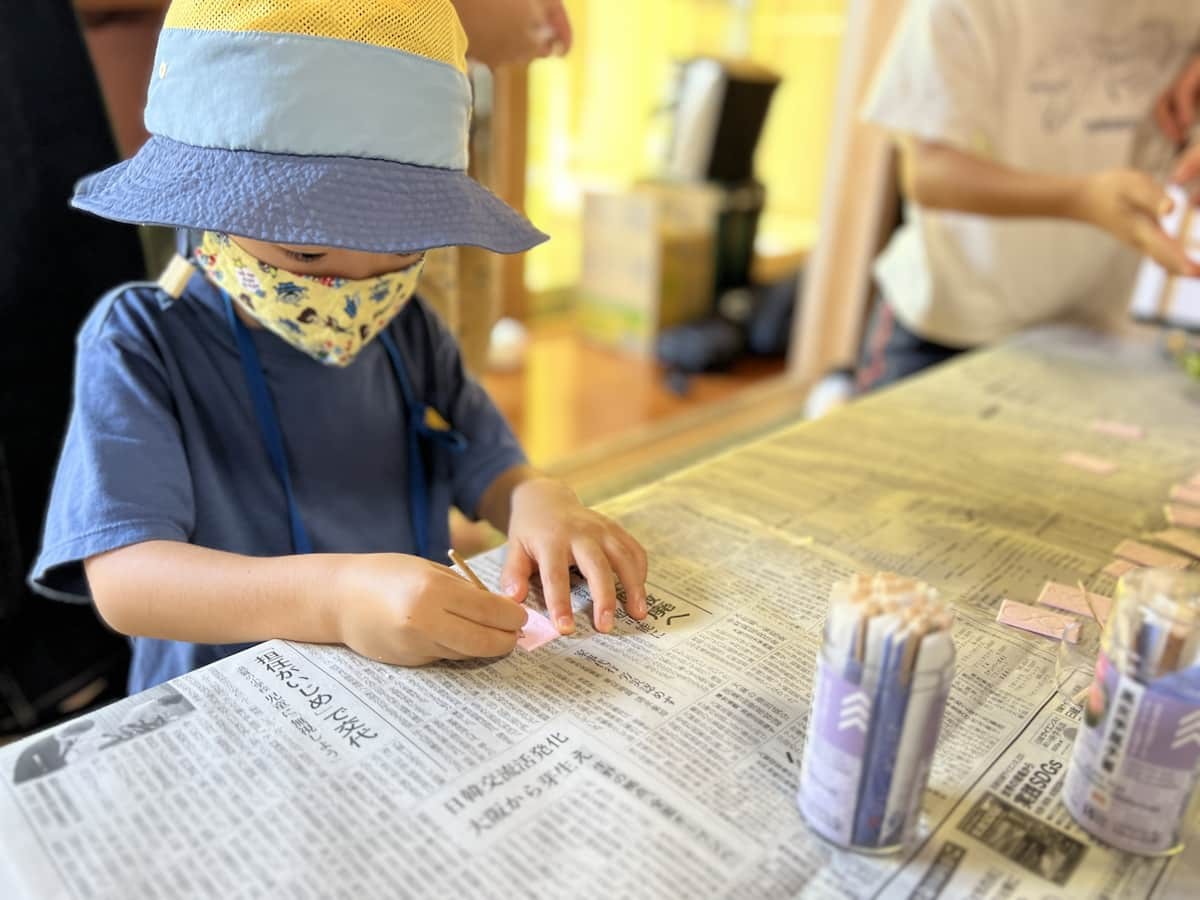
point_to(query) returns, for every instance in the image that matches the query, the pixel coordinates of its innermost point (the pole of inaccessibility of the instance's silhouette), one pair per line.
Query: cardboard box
(648, 262)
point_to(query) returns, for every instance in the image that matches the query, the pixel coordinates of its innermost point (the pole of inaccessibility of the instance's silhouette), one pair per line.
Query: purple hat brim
(330, 201)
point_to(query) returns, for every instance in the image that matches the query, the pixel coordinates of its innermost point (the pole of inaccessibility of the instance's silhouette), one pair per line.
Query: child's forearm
(940, 177)
(178, 591)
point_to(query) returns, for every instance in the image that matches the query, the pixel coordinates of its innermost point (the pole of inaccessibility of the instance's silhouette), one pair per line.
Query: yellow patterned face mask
(330, 319)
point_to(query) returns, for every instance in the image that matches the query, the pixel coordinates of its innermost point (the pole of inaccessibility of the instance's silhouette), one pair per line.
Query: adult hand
(1175, 111)
(1187, 172)
(1128, 204)
(505, 32)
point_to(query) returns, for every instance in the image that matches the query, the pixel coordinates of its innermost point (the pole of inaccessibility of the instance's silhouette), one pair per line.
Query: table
(662, 760)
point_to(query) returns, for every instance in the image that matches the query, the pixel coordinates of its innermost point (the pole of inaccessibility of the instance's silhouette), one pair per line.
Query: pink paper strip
(1119, 429)
(1183, 516)
(1186, 541)
(538, 631)
(1119, 567)
(1186, 493)
(1039, 621)
(1093, 464)
(1070, 599)
(1145, 555)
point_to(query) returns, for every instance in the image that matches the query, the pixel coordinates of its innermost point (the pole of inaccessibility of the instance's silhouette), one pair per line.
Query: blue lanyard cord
(268, 422)
(417, 428)
(418, 487)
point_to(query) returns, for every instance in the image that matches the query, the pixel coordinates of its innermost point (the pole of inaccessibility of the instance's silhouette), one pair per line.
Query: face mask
(330, 319)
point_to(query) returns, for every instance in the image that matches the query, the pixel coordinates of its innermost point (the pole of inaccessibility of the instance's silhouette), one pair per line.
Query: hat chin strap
(175, 277)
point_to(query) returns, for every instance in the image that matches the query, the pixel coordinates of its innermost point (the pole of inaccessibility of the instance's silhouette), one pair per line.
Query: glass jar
(1134, 767)
(872, 730)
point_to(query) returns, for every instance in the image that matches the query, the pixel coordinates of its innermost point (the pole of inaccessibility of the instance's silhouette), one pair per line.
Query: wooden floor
(572, 397)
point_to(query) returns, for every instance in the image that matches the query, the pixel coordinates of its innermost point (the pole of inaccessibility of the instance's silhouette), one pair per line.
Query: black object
(704, 346)
(718, 108)
(769, 327)
(57, 263)
(757, 320)
(742, 204)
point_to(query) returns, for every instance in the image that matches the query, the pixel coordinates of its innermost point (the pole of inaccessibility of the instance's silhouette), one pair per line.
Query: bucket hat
(311, 122)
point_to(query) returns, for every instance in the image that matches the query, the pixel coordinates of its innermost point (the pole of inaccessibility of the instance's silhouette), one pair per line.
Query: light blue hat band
(294, 94)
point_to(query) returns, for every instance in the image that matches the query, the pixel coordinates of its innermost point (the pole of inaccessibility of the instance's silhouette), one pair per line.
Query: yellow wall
(590, 114)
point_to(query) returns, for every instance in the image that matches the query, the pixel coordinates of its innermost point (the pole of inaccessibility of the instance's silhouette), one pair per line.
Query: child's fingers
(443, 652)
(552, 564)
(1145, 195)
(471, 639)
(1186, 93)
(561, 23)
(484, 609)
(1164, 116)
(514, 577)
(1188, 167)
(631, 571)
(594, 564)
(1165, 250)
(636, 551)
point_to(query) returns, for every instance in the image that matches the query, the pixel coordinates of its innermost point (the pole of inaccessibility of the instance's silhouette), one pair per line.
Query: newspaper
(661, 760)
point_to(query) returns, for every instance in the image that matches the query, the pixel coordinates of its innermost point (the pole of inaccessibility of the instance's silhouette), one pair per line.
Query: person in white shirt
(1031, 169)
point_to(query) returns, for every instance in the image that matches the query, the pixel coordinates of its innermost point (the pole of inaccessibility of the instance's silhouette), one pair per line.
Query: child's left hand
(549, 529)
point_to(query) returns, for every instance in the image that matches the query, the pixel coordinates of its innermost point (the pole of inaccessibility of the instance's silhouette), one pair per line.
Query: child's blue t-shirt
(163, 444)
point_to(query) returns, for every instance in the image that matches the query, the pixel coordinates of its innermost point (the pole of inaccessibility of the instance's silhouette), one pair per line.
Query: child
(1021, 121)
(267, 444)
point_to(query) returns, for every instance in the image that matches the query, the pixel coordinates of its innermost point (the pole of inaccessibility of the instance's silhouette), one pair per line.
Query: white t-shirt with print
(1050, 86)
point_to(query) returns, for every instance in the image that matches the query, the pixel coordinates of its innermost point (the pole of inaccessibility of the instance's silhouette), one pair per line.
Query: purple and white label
(1134, 764)
(833, 756)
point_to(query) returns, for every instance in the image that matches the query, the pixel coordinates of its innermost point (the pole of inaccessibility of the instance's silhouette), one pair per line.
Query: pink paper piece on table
(538, 631)
(1039, 621)
(1181, 515)
(1093, 464)
(1145, 555)
(1119, 567)
(1195, 479)
(1070, 599)
(1119, 429)
(1186, 541)
(1186, 493)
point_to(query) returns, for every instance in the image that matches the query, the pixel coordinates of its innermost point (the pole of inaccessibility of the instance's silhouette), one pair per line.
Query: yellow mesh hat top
(420, 27)
(376, 79)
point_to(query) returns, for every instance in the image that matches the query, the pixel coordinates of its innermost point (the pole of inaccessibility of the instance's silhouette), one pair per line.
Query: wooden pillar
(509, 140)
(858, 207)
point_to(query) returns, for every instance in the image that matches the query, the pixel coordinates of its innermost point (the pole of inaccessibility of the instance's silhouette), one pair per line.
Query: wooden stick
(1169, 661)
(466, 570)
(1088, 601)
(473, 578)
(911, 648)
(1081, 697)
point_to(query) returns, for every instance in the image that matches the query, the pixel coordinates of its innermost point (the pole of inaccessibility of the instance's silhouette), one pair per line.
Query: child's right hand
(407, 611)
(1128, 204)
